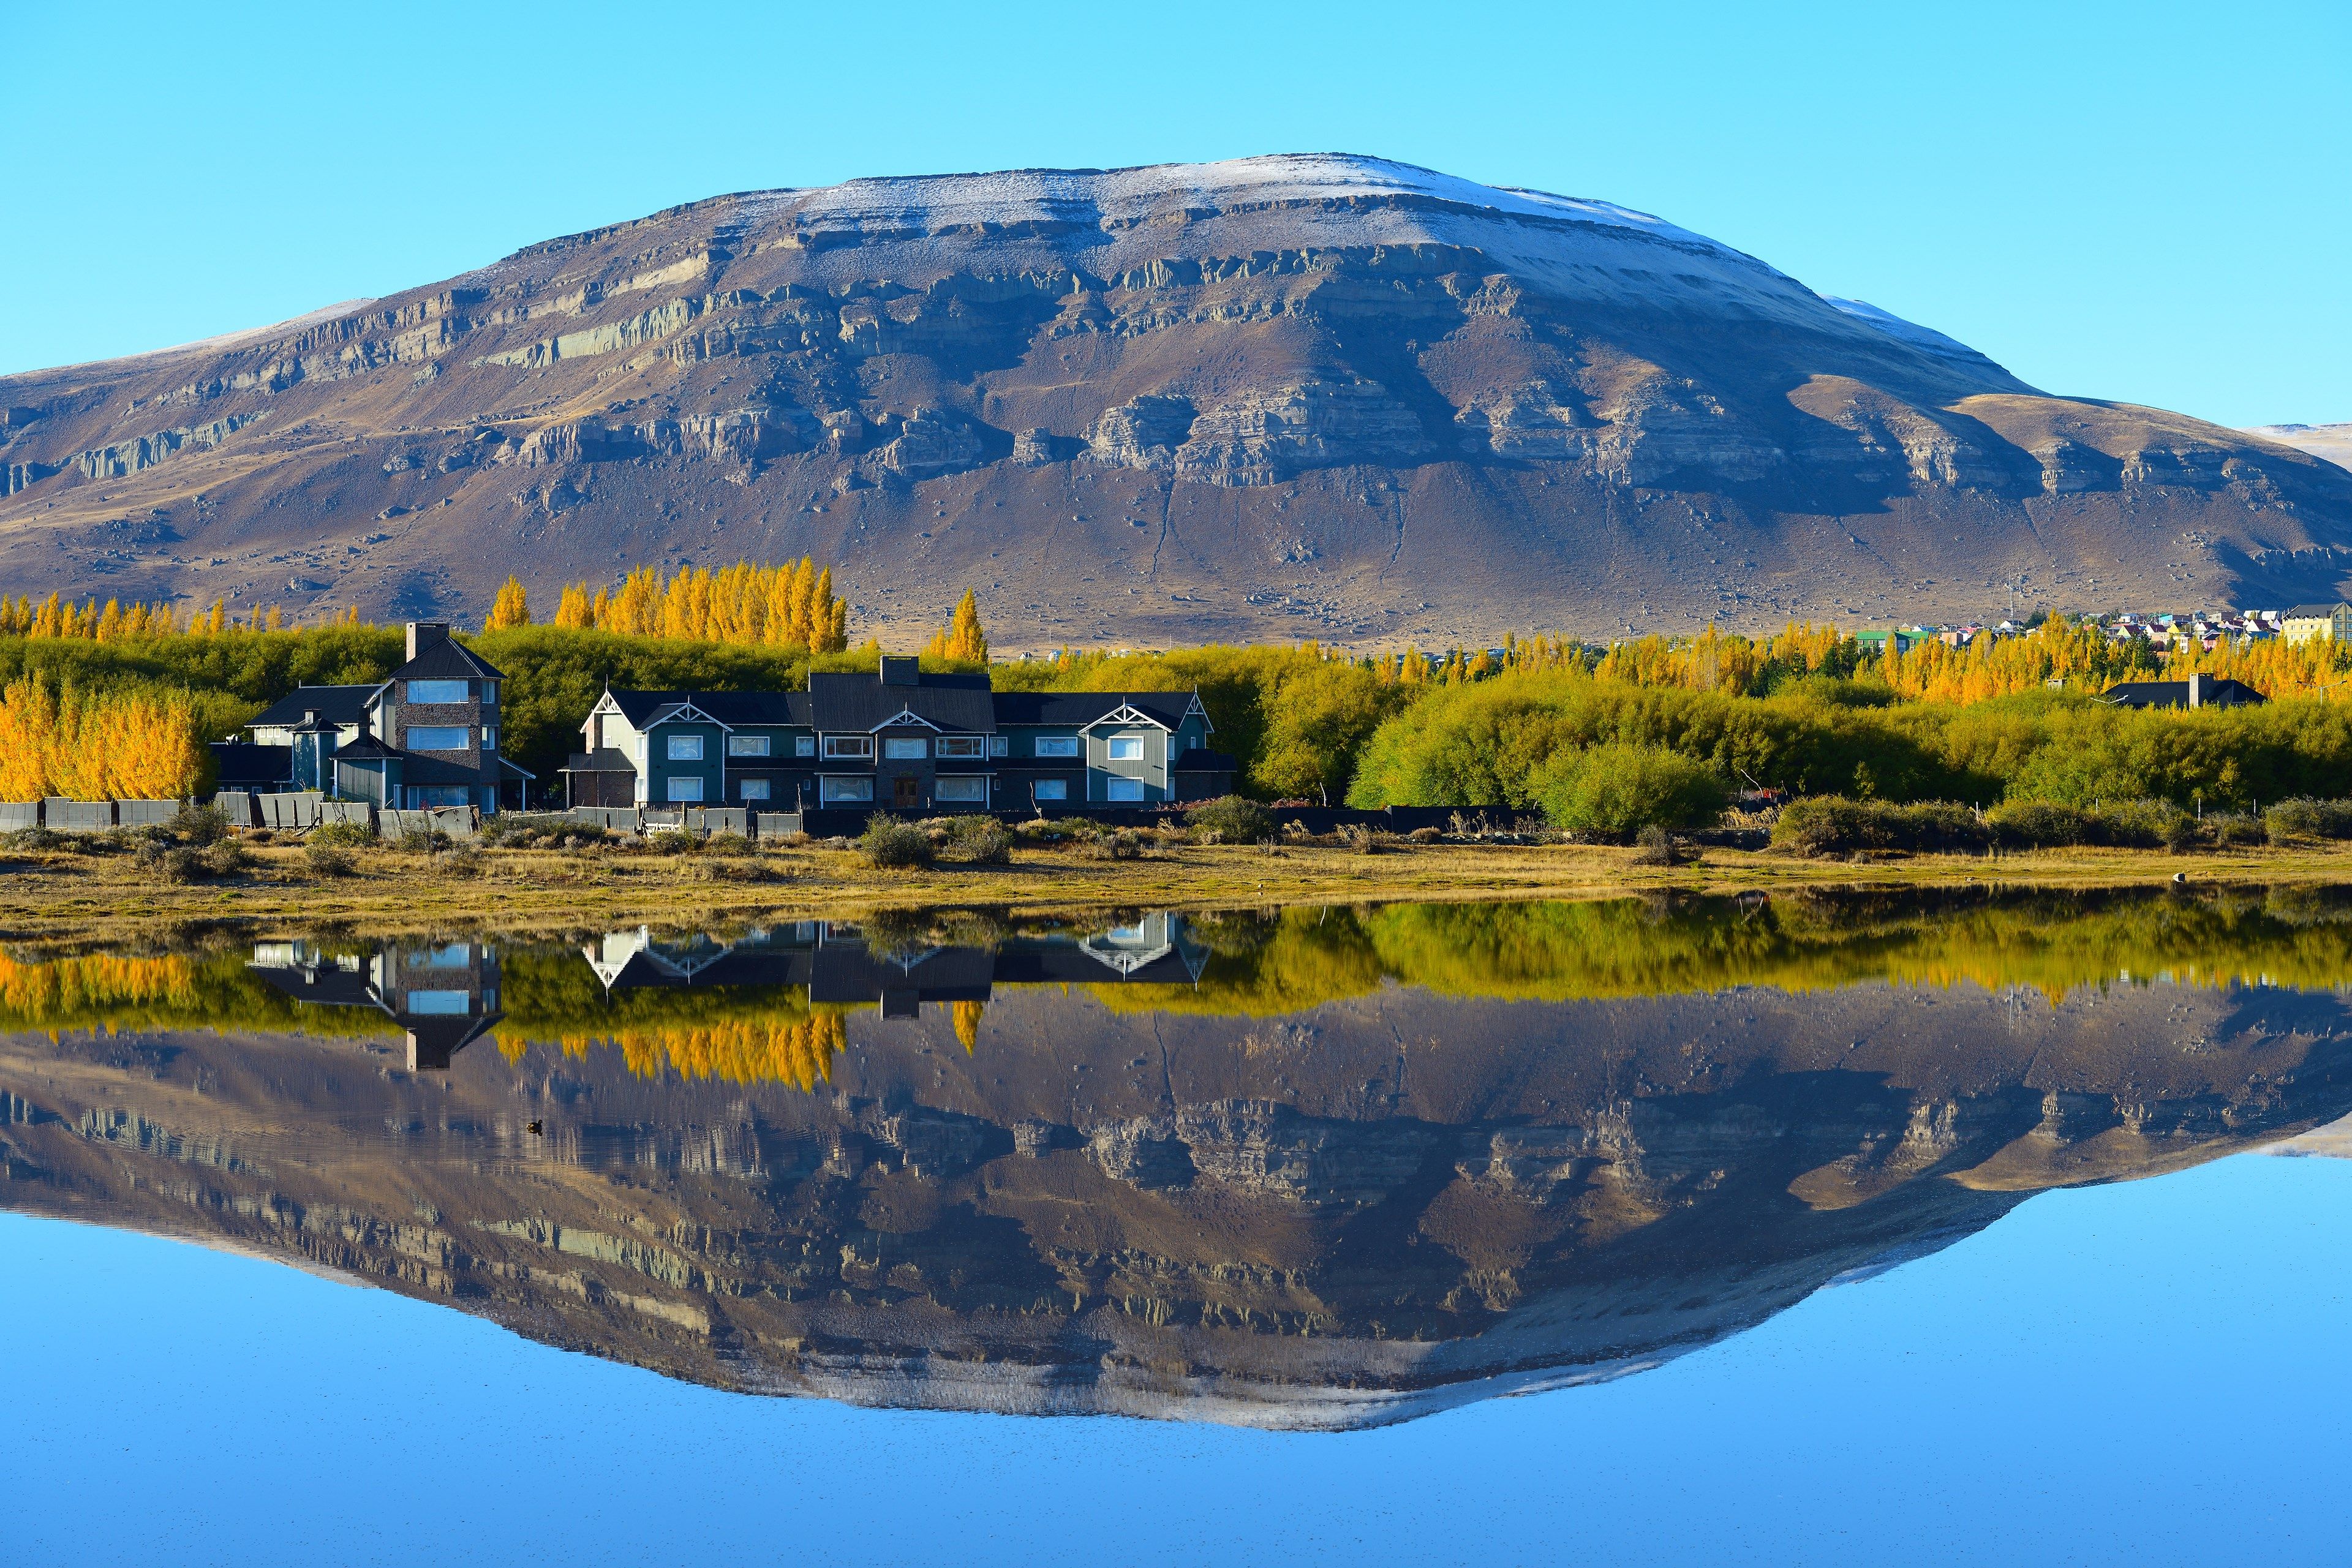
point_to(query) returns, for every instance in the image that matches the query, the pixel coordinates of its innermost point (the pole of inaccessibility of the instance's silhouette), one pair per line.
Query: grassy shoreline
(72, 898)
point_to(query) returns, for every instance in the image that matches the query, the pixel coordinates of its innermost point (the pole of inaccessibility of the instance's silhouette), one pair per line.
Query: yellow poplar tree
(963, 639)
(510, 609)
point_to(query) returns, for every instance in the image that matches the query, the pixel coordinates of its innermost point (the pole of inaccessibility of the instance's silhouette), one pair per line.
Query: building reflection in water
(443, 995)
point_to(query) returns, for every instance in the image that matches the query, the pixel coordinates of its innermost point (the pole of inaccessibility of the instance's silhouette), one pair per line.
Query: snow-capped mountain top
(1911, 332)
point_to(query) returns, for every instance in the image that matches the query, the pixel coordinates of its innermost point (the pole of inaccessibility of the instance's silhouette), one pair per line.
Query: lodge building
(896, 739)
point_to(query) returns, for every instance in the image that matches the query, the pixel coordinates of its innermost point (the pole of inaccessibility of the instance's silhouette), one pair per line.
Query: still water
(1801, 1229)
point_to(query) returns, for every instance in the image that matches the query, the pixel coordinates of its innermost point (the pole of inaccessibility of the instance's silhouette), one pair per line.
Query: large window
(686, 748)
(439, 1003)
(1123, 789)
(1127, 748)
(425, 797)
(1051, 789)
(437, 737)
(961, 792)
(848, 792)
(903, 749)
(754, 789)
(437, 691)
(838, 748)
(1058, 745)
(684, 787)
(747, 745)
(963, 746)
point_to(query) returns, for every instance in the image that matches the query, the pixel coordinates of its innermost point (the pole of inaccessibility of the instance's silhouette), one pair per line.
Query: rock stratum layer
(1283, 396)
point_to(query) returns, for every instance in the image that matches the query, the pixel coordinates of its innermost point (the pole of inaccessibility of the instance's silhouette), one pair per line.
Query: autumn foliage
(116, 622)
(777, 607)
(510, 609)
(137, 744)
(964, 641)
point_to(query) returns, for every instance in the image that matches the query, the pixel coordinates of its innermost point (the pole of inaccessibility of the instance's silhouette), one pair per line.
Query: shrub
(330, 859)
(1832, 824)
(2234, 829)
(889, 844)
(194, 824)
(339, 836)
(1232, 819)
(1654, 846)
(1112, 844)
(2042, 824)
(979, 840)
(2303, 818)
(1615, 791)
(1426, 836)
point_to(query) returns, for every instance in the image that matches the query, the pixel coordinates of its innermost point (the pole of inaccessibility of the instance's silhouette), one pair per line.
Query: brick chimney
(423, 635)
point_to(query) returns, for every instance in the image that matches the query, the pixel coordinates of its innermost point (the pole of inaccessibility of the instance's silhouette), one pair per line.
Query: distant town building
(2314, 622)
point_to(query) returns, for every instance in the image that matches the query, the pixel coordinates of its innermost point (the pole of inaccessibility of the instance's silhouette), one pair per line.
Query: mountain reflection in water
(1312, 1169)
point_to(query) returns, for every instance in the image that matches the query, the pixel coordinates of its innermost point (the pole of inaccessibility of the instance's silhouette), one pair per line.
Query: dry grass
(49, 895)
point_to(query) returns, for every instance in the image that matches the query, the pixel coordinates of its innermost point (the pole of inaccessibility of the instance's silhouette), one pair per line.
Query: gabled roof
(448, 659)
(1076, 709)
(731, 708)
(333, 704)
(860, 703)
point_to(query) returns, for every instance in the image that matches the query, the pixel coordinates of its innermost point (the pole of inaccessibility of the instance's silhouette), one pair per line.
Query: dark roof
(848, 702)
(448, 659)
(730, 707)
(2220, 693)
(241, 763)
(1200, 760)
(1074, 709)
(333, 704)
(365, 748)
(2310, 611)
(607, 761)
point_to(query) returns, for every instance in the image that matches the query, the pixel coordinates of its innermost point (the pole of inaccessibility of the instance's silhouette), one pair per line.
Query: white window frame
(999, 745)
(682, 789)
(1051, 789)
(1133, 744)
(409, 741)
(905, 749)
(968, 747)
(849, 748)
(754, 789)
(748, 745)
(682, 748)
(805, 745)
(836, 790)
(1057, 746)
(964, 789)
(1125, 791)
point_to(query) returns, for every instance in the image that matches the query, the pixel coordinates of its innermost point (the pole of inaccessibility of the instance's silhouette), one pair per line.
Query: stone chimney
(2197, 693)
(423, 635)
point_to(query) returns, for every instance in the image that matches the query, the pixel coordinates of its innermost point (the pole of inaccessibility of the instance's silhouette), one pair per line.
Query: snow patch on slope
(1911, 332)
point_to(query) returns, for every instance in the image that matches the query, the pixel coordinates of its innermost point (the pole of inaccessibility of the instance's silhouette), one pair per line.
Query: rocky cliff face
(1281, 396)
(1355, 1214)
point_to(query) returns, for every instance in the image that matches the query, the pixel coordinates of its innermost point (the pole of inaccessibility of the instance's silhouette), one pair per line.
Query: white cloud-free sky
(2141, 201)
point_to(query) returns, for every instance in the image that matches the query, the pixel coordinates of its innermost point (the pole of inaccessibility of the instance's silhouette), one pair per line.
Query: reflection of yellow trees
(780, 1048)
(71, 990)
(1568, 951)
(177, 991)
(967, 1024)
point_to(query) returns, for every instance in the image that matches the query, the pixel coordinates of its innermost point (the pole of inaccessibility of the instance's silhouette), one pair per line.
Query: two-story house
(425, 736)
(897, 739)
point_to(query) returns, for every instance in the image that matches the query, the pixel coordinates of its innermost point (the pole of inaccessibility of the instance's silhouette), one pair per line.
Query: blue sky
(2142, 202)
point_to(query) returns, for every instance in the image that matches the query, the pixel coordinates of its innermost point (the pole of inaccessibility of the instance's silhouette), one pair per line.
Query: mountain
(2333, 442)
(1284, 396)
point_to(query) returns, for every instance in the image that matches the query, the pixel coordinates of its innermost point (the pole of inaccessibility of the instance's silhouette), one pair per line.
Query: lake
(1960, 1227)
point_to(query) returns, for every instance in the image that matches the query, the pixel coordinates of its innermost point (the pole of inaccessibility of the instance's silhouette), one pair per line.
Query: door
(906, 792)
